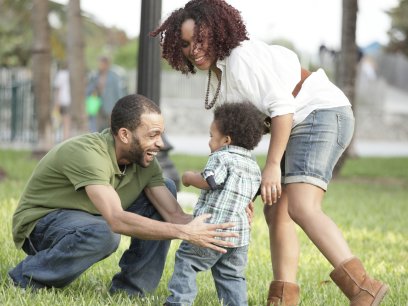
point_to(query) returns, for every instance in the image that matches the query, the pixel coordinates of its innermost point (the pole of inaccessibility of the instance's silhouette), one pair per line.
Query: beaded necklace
(211, 104)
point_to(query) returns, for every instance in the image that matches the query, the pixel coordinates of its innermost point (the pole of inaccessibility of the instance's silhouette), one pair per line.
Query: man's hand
(107, 201)
(205, 235)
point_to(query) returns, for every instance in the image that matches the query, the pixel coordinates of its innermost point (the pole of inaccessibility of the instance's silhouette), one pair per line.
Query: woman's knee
(304, 202)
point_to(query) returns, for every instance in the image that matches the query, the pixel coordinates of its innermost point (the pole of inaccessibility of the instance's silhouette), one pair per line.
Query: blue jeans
(65, 243)
(228, 271)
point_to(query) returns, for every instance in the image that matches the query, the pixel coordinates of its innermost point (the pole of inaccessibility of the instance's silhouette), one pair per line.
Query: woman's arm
(271, 175)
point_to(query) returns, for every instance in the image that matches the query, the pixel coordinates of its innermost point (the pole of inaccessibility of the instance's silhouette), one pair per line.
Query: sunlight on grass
(368, 202)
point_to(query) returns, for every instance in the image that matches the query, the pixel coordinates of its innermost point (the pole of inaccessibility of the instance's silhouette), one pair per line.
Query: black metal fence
(18, 120)
(17, 109)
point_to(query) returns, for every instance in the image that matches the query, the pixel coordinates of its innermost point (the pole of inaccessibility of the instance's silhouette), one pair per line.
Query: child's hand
(185, 179)
(195, 179)
(250, 212)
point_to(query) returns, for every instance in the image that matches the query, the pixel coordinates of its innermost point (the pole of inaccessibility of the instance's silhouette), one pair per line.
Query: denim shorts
(316, 144)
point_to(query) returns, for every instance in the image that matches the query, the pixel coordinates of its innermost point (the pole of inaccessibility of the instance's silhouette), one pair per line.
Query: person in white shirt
(310, 121)
(63, 98)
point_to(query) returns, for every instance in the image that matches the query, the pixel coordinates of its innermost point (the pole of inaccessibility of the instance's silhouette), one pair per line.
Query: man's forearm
(197, 232)
(133, 225)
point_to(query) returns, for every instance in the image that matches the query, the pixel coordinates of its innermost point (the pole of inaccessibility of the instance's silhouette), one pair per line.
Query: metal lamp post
(149, 74)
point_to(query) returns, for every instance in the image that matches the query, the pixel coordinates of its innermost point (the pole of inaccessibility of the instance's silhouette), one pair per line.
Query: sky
(306, 23)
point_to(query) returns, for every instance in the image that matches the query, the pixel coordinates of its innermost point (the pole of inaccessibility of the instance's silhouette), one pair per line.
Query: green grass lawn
(368, 201)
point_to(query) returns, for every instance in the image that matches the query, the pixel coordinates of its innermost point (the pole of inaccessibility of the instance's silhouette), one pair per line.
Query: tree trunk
(76, 66)
(348, 62)
(41, 63)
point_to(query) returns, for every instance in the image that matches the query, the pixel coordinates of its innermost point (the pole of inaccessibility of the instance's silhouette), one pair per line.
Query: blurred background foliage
(16, 36)
(398, 33)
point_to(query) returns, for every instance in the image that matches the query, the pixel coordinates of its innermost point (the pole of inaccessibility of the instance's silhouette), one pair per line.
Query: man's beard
(136, 153)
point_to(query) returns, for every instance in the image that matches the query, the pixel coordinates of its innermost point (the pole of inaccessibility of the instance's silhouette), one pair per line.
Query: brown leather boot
(353, 280)
(283, 293)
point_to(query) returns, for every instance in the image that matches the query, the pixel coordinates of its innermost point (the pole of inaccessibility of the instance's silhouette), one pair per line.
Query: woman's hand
(271, 188)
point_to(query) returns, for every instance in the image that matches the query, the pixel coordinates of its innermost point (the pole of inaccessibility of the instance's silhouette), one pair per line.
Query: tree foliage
(398, 33)
(15, 32)
(127, 55)
(16, 36)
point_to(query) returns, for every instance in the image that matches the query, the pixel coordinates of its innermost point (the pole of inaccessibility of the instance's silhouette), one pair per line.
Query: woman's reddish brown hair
(221, 23)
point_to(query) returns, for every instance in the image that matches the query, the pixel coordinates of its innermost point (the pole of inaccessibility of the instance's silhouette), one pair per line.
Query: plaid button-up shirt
(237, 178)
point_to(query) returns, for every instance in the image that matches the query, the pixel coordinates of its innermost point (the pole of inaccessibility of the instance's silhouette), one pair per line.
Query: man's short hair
(127, 112)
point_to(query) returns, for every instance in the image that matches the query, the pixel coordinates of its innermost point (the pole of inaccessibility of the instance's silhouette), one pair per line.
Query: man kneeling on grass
(89, 190)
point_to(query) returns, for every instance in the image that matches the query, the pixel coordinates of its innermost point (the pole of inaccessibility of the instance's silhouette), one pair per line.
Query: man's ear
(228, 140)
(123, 134)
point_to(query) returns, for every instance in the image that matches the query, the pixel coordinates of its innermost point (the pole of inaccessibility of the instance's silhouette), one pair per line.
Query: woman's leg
(349, 273)
(284, 243)
(305, 209)
(314, 148)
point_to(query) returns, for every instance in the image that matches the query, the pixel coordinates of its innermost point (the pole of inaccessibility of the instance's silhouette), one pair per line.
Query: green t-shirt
(59, 179)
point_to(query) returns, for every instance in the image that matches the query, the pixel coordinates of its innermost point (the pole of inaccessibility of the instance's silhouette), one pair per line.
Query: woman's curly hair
(223, 26)
(240, 121)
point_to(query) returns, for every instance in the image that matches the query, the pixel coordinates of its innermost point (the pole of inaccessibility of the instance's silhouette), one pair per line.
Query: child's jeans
(228, 271)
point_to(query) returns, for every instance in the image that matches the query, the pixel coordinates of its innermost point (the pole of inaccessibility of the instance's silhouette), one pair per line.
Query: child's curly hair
(242, 122)
(224, 26)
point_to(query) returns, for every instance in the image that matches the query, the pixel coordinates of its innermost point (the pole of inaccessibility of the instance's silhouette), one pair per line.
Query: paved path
(396, 101)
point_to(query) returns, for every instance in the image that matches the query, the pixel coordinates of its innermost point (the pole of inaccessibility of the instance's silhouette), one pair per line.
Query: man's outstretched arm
(107, 202)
